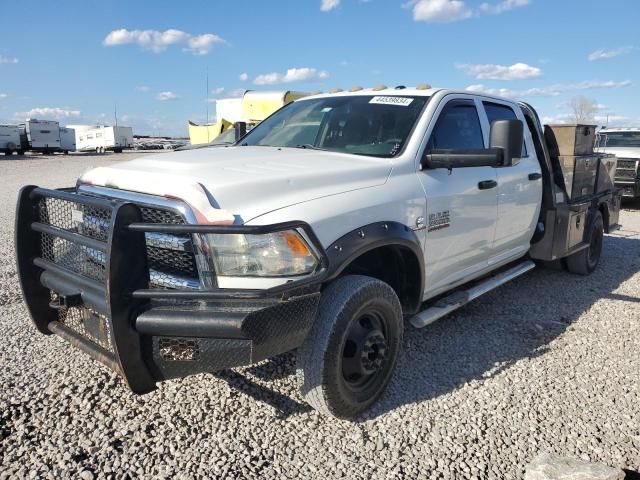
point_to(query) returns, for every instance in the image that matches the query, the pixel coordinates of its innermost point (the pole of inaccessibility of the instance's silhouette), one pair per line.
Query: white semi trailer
(41, 135)
(67, 139)
(101, 138)
(10, 139)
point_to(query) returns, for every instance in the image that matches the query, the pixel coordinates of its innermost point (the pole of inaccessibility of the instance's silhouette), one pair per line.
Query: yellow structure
(255, 107)
(199, 134)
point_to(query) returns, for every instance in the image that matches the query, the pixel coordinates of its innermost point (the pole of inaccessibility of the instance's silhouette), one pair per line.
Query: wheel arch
(388, 251)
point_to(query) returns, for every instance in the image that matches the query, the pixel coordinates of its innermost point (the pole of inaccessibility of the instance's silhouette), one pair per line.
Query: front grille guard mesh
(169, 267)
(75, 318)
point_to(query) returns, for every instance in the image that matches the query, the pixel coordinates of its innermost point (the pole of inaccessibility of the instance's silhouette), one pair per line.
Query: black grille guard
(125, 292)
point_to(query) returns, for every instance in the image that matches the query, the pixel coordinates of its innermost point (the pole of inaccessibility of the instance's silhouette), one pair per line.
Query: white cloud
(503, 6)
(603, 54)
(327, 5)
(517, 71)
(292, 75)
(142, 88)
(164, 96)
(48, 113)
(3, 96)
(201, 44)
(8, 60)
(217, 90)
(244, 77)
(157, 41)
(440, 11)
(549, 91)
(445, 11)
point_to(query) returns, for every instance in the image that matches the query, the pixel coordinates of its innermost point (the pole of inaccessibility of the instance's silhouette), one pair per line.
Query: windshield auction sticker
(399, 101)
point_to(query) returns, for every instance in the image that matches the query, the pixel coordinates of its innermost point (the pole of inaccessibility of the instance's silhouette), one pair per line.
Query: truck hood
(244, 181)
(622, 152)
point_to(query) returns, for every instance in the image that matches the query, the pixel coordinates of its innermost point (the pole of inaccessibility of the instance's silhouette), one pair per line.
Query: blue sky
(72, 60)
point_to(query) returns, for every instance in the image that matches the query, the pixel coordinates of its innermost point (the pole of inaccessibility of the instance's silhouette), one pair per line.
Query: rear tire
(348, 357)
(586, 261)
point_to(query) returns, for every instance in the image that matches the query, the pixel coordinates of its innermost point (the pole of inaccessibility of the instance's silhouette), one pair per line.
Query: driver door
(462, 203)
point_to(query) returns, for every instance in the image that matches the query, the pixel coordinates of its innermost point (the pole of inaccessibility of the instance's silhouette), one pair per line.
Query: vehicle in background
(103, 138)
(67, 139)
(625, 144)
(252, 108)
(10, 140)
(41, 136)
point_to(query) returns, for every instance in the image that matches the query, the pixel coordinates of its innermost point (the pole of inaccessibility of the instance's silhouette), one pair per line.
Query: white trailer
(101, 138)
(10, 140)
(67, 139)
(42, 135)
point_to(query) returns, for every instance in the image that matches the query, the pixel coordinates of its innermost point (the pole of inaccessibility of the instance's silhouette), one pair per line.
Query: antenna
(207, 102)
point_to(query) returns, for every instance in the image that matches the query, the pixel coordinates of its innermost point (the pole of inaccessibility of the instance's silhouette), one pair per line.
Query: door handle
(487, 184)
(535, 176)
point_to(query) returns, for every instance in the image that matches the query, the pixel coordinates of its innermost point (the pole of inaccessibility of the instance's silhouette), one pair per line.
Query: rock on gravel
(555, 467)
(549, 362)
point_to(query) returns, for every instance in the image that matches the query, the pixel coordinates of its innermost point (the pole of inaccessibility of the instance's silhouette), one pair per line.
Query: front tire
(348, 357)
(585, 261)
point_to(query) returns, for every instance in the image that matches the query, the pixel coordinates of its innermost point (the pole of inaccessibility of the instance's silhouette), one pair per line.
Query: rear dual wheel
(349, 355)
(586, 260)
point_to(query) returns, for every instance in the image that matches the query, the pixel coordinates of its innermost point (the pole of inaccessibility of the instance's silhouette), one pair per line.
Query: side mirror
(489, 157)
(507, 135)
(240, 129)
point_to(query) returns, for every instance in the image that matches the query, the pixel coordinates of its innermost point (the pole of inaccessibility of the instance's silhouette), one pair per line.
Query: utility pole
(206, 98)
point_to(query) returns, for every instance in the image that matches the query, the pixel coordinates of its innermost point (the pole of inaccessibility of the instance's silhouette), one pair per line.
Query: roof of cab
(405, 91)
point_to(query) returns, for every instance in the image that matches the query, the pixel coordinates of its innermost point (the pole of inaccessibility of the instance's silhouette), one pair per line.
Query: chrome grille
(627, 169)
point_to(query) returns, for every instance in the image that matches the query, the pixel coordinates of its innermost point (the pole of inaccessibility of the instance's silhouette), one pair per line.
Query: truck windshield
(620, 139)
(373, 125)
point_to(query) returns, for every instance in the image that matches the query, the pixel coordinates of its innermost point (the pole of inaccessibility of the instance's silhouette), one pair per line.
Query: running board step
(456, 300)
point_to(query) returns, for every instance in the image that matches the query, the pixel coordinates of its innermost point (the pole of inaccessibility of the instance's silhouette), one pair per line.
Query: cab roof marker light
(423, 86)
(355, 88)
(336, 90)
(379, 87)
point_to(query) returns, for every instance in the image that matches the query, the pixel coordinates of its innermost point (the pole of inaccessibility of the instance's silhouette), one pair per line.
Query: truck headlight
(277, 254)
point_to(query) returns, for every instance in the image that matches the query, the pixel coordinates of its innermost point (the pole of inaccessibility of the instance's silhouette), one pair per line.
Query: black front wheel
(349, 355)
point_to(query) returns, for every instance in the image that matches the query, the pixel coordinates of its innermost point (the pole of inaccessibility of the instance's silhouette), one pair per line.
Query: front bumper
(145, 334)
(629, 188)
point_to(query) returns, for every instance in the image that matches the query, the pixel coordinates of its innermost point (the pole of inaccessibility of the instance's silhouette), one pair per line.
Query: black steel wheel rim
(365, 352)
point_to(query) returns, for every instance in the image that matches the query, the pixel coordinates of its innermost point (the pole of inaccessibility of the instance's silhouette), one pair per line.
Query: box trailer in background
(41, 135)
(102, 138)
(67, 139)
(10, 140)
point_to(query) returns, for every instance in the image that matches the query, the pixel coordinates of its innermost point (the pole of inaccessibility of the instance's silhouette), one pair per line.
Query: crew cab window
(458, 128)
(496, 111)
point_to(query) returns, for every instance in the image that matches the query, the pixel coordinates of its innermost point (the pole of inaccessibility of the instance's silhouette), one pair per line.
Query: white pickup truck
(321, 230)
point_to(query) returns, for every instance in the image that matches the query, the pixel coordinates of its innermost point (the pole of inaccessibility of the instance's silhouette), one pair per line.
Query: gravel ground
(550, 362)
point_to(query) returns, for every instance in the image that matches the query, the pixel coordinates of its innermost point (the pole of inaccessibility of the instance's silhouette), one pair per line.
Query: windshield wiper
(309, 146)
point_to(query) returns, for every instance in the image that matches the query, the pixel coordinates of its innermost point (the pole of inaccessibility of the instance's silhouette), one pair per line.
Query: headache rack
(89, 265)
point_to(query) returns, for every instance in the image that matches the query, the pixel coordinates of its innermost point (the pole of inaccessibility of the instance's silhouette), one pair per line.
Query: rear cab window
(497, 111)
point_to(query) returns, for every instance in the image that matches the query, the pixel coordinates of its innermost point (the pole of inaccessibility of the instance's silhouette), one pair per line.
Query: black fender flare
(359, 241)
